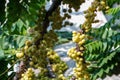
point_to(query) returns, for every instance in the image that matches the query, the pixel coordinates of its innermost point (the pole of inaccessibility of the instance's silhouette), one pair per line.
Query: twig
(8, 68)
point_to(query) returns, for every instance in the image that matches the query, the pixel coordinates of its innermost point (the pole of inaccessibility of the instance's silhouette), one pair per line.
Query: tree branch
(45, 25)
(46, 21)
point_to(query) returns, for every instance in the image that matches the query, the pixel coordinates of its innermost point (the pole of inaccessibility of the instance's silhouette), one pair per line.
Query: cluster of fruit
(74, 4)
(58, 66)
(80, 71)
(90, 14)
(28, 75)
(57, 20)
(53, 56)
(35, 51)
(35, 55)
(61, 77)
(76, 54)
(80, 37)
(50, 38)
(103, 5)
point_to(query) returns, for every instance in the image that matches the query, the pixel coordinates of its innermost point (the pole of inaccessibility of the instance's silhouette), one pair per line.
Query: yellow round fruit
(19, 55)
(107, 7)
(87, 30)
(73, 55)
(81, 48)
(82, 36)
(78, 53)
(102, 3)
(81, 59)
(74, 32)
(80, 68)
(81, 42)
(26, 47)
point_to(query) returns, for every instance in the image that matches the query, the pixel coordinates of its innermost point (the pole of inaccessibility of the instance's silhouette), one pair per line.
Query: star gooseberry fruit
(19, 54)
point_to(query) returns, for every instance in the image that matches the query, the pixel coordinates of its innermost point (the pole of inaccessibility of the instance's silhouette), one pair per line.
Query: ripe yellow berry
(26, 47)
(81, 48)
(75, 39)
(82, 36)
(19, 55)
(78, 53)
(79, 68)
(107, 7)
(102, 3)
(77, 58)
(82, 42)
(81, 59)
(79, 73)
(87, 30)
(86, 76)
(74, 32)
(61, 76)
(80, 78)
(81, 54)
(30, 69)
(73, 55)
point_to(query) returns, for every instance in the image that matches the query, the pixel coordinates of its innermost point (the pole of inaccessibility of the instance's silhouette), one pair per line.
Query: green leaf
(104, 46)
(113, 11)
(107, 70)
(112, 2)
(3, 67)
(100, 73)
(19, 24)
(104, 61)
(105, 34)
(112, 66)
(1, 55)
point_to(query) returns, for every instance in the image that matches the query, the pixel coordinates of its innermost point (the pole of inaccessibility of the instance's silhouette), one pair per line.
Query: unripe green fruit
(27, 42)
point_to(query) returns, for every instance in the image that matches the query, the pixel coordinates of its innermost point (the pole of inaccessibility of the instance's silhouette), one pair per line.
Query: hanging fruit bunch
(57, 65)
(38, 54)
(73, 4)
(80, 38)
